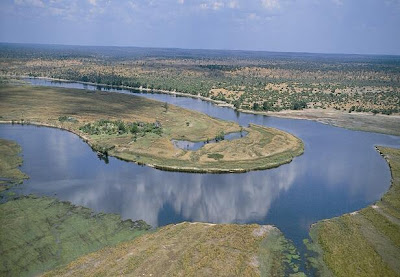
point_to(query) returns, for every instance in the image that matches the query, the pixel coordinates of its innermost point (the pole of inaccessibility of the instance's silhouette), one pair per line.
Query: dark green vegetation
(363, 243)
(261, 81)
(138, 129)
(65, 118)
(10, 161)
(215, 156)
(118, 127)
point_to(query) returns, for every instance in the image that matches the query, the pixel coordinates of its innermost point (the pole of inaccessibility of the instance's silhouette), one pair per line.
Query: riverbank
(359, 121)
(193, 249)
(141, 89)
(72, 109)
(365, 242)
(9, 164)
(41, 233)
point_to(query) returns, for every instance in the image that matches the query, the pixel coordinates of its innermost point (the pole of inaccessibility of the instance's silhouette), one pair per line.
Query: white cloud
(181, 1)
(214, 5)
(253, 16)
(270, 4)
(132, 5)
(35, 3)
(203, 6)
(233, 4)
(217, 5)
(93, 2)
(338, 2)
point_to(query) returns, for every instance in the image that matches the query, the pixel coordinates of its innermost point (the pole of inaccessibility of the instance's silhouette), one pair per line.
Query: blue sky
(327, 26)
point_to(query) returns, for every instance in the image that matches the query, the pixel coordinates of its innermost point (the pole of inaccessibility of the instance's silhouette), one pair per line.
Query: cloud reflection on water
(209, 198)
(339, 172)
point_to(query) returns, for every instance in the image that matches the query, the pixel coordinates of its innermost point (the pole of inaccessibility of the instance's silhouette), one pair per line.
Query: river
(339, 172)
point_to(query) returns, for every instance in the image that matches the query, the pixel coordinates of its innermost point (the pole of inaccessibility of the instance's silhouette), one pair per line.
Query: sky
(319, 26)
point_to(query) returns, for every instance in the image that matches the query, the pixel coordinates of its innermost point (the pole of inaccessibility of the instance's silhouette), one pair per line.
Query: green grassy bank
(9, 164)
(193, 249)
(40, 233)
(366, 242)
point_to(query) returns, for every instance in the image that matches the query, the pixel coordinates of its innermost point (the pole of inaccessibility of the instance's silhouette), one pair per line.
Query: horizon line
(206, 49)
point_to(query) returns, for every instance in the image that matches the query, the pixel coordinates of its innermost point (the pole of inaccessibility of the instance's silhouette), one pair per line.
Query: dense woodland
(261, 81)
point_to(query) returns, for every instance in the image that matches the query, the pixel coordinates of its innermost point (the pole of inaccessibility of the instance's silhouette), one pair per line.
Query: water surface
(339, 172)
(193, 146)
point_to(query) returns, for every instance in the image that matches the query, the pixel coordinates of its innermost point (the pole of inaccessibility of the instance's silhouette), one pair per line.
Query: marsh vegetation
(9, 164)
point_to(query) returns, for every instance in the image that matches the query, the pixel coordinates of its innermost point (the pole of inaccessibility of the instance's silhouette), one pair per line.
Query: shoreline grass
(365, 242)
(193, 249)
(41, 233)
(10, 161)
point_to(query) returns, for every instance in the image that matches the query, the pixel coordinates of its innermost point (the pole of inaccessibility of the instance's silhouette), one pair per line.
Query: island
(141, 130)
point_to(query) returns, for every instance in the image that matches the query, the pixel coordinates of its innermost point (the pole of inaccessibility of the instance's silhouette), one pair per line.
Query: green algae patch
(40, 233)
(278, 256)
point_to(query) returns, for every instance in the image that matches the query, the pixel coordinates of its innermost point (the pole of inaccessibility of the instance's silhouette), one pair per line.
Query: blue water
(339, 172)
(193, 146)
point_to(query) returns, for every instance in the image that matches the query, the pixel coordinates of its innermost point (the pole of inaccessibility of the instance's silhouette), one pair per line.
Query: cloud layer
(277, 25)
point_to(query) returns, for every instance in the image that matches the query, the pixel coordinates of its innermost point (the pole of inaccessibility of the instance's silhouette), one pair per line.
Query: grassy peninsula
(365, 242)
(193, 249)
(138, 129)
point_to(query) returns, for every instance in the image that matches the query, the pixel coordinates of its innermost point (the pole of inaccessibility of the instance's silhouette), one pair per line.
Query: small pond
(193, 146)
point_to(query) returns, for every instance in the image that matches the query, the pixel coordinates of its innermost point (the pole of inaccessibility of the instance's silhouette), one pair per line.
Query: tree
(299, 105)
(220, 136)
(256, 106)
(266, 106)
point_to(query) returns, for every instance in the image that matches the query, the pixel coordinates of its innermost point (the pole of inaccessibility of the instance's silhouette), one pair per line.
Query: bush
(215, 156)
(107, 127)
